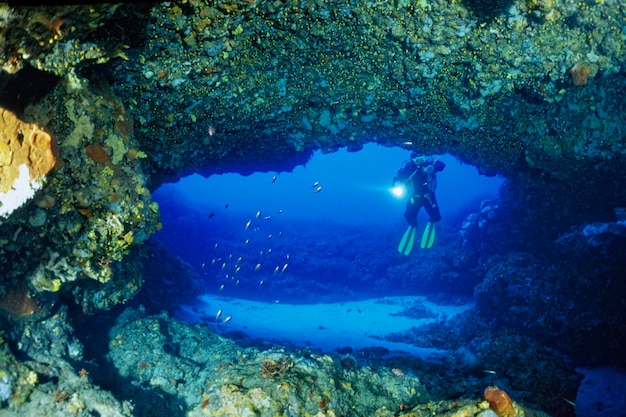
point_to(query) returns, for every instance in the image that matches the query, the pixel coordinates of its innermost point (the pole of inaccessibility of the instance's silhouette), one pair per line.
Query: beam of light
(398, 191)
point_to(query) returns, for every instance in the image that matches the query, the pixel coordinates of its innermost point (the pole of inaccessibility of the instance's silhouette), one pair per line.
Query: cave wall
(142, 94)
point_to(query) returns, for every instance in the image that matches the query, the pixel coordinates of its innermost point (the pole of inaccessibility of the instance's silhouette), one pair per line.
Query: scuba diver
(419, 176)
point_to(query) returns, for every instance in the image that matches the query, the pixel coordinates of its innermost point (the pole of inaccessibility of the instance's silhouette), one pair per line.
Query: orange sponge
(23, 144)
(500, 402)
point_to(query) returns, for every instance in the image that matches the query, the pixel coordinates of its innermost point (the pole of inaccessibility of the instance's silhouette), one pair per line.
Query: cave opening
(325, 232)
(26, 86)
(323, 220)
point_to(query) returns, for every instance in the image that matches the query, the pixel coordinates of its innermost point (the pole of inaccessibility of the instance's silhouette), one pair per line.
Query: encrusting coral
(579, 73)
(52, 272)
(97, 154)
(15, 302)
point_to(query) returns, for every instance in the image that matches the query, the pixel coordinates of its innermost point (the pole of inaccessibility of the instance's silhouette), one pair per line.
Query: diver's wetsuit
(419, 176)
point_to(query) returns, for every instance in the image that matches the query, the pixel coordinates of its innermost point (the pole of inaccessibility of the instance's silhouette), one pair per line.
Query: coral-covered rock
(500, 402)
(269, 383)
(27, 154)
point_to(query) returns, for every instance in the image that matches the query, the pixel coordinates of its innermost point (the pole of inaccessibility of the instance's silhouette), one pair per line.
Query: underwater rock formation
(141, 94)
(88, 215)
(215, 377)
(495, 91)
(210, 375)
(48, 380)
(480, 353)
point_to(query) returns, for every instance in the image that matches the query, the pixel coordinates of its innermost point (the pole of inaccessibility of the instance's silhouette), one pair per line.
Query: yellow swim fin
(406, 243)
(428, 238)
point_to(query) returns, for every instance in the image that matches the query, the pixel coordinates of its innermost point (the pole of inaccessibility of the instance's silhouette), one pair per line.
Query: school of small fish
(232, 268)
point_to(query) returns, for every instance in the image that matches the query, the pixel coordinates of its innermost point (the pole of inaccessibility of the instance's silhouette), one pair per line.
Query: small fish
(572, 403)
(284, 267)
(237, 283)
(269, 237)
(315, 184)
(203, 265)
(227, 319)
(261, 283)
(230, 256)
(226, 206)
(318, 189)
(218, 315)
(248, 224)
(269, 251)
(489, 371)
(217, 245)
(211, 130)
(288, 257)
(274, 178)
(239, 259)
(211, 214)
(266, 218)
(237, 269)
(224, 266)
(281, 211)
(407, 143)
(260, 253)
(277, 269)
(213, 261)
(257, 267)
(222, 287)
(247, 241)
(280, 234)
(258, 214)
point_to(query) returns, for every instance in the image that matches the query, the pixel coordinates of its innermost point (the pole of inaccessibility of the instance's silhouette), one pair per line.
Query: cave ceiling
(140, 94)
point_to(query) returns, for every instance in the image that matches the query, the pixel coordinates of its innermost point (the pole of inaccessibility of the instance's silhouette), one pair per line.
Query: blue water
(355, 189)
(304, 244)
